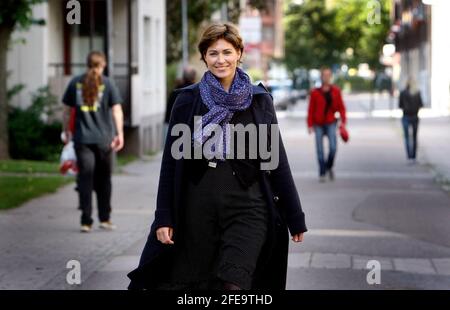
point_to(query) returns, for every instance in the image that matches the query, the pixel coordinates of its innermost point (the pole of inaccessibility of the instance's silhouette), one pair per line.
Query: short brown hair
(214, 32)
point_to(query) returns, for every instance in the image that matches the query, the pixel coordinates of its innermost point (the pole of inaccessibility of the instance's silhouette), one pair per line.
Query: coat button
(268, 172)
(276, 198)
(234, 173)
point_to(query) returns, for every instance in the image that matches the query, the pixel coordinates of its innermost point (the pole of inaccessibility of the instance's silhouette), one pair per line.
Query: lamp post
(184, 32)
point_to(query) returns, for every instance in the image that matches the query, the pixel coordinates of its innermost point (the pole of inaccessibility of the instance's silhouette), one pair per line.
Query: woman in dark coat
(221, 222)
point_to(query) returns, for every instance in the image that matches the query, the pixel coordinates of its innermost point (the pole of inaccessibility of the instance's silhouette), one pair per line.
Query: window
(89, 35)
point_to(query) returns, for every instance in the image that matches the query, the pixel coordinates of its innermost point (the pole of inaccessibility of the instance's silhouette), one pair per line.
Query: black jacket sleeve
(170, 103)
(165, 197)
(401, 100)
(284, 188)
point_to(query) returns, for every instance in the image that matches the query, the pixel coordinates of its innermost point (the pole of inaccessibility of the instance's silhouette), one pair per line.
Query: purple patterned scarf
(222, 105)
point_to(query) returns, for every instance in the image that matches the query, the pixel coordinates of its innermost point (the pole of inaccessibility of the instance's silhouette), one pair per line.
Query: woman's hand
(164, 235)
(66, 137)
(297, 237)
(117, 143)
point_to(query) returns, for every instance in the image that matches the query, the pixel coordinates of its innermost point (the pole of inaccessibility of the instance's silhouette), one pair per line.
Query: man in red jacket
(324, 102)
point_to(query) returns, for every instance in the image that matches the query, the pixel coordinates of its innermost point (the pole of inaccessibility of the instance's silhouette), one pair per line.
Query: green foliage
(18, 13)
(198, 11)
(354, 84)
(311, 39)
(255, 74)
(13, 14)
(44, 102)
(30, 136)
(361, 30)
(123, 160)
(13, 91)
(15, 190)
(171, 76)
(319, 34)
(28, 166)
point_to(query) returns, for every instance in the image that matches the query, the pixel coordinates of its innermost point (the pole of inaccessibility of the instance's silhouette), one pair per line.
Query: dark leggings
(94, 173)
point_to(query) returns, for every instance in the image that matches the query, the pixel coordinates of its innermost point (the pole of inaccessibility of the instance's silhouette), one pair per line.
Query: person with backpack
(324, 102)
(410, 102)
(98, 132)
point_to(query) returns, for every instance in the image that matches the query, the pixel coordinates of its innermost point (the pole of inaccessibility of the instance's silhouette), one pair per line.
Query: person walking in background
(98, 132)
(324, 102)
(188, 78)
(221, 223)
(410, 102)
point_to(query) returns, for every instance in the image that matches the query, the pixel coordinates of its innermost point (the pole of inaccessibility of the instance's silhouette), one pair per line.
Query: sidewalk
(40, 237)
(434, 147)
(397, 248)
(434, 131)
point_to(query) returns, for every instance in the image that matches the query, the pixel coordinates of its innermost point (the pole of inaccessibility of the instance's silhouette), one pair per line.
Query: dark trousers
(410, 123)
(329, 131)
(94, 173)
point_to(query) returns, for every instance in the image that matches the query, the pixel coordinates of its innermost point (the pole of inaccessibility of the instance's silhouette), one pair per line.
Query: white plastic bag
(68, 161)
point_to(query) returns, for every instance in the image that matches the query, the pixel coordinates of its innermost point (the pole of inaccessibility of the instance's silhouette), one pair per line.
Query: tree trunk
(5, 34)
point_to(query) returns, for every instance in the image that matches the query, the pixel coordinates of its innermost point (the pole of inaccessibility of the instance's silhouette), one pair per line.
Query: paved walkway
(434, 143)
(378, 208)
(40, 237)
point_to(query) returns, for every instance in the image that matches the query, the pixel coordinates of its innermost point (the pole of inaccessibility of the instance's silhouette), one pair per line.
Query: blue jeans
(410, 138)
(329, 131)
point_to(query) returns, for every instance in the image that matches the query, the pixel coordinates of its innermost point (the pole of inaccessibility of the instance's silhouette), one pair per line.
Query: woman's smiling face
(222, 59)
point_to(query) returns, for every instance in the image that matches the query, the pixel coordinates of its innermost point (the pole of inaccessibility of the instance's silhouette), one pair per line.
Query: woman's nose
(220, 58)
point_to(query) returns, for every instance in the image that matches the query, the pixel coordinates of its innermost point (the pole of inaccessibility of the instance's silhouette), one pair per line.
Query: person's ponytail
(93, 79)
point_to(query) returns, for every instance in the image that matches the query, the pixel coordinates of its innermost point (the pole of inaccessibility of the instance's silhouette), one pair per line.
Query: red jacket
(317, 104)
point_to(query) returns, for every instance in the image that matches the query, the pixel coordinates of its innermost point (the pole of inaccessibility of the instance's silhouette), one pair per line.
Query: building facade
(263, 35)
(132, 35)
(420, 33)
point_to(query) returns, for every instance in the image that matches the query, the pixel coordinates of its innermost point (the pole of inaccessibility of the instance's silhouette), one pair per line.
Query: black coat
(410, 103)
(171, 100)
(277, 185)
